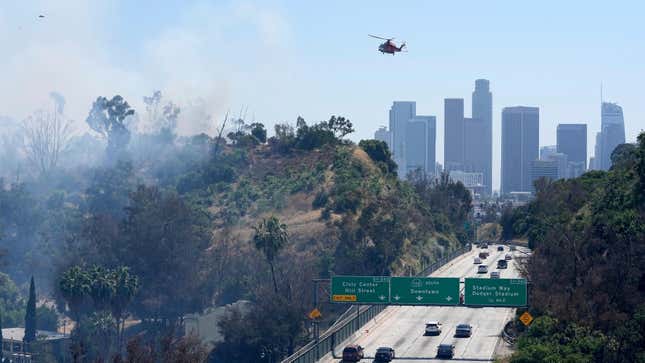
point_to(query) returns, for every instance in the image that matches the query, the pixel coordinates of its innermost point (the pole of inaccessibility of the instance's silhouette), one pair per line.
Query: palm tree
(75, 286)
(270, 237)
(102, 287)
(125, 287)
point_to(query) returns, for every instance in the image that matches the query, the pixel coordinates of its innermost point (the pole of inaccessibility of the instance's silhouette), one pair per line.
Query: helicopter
(389, 46)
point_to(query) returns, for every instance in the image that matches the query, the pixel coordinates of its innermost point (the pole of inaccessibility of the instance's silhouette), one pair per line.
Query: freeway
(403, 327)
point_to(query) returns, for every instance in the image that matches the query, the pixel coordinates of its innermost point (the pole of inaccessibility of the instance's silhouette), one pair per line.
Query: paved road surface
(402, 327)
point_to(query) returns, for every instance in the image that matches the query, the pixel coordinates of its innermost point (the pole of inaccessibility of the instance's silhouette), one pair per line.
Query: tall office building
(474, 146)
(543, 169)
(572, 141)
(562, 162)
(400, 113)
(382, 134)
(547, 151)
(454, 134)
(520, 144)
(594, 162)
(421, 138)
(482, 104)
(612, 132)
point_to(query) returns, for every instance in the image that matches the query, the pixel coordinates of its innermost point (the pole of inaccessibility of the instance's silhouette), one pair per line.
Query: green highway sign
(424, 290)
(360, 289)
(495, 292)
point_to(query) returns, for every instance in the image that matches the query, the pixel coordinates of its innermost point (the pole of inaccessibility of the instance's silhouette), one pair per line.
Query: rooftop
(19, 333)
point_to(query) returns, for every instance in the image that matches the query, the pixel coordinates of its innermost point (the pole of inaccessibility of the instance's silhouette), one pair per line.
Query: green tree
(75, 285)
(47, 318)
(102, 287)
(1, 340)
(270, 237)
(12, 305)
(126, 286)
(108, 118)
(162, 241)
(30, 315)
(259, 132)
(380, 154)
(340, 126)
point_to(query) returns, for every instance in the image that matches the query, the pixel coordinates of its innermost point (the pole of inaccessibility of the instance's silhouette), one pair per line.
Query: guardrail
(341, 330)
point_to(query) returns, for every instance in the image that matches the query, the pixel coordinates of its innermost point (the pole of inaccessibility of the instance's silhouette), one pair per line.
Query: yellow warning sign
(315, 314)
(526, 318)
(343, 298)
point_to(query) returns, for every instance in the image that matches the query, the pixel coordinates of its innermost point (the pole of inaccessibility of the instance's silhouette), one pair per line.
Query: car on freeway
(502, 264)
(484, 245)
(482, 269)
(508, 257)
(483, 255)
(353, 353)
(445, 351)
(463, 330)
(477, 261)
(433, 328)
(500, 248)
(384, 354)
(494, 275)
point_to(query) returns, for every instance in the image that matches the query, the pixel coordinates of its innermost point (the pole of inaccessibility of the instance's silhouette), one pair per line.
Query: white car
(433, 328)
(477, 261)
(482, 269)
(494, 275)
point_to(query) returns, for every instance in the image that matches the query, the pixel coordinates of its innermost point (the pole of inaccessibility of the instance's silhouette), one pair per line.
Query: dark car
(384, 354)
(445, 351)
(500, 248)
(483, 255)
(502, 264)
(484, 245)
(353, 353)
(464, 331)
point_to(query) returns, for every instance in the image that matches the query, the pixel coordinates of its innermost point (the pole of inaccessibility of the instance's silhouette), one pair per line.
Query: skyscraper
(421, 138)
(612, 132)
(382, 134)
(520, 144)
(547, 151)
(572, 141)
(454, 135)
(482, 104)
(594, 162)
(543, 169)
(400, 113)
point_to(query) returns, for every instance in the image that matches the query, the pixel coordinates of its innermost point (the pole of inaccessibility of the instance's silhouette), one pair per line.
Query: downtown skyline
(465, 138)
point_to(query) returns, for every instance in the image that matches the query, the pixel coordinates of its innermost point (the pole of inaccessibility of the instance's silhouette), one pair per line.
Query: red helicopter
(389, 46)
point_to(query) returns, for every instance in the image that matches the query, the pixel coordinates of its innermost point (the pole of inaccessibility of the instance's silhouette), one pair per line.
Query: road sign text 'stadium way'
(495, 292)
(424, 290)
(360, 289)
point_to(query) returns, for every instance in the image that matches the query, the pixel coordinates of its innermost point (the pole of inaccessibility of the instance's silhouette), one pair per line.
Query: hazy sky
(287, 58)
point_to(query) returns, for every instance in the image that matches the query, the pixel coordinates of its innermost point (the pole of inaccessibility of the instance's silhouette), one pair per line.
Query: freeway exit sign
(360, 289)
(424, 290)
(495, 292)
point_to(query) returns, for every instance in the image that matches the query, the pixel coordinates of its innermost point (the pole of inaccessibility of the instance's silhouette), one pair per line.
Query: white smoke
(198, 61)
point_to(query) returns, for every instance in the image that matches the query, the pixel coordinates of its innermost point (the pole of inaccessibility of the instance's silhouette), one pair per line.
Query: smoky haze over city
(276, 181)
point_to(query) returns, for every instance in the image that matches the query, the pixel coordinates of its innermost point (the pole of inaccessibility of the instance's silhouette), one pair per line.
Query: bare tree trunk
(275, 284)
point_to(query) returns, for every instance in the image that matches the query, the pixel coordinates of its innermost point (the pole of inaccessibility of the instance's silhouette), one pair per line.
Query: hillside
(588, 284)
(178, 219)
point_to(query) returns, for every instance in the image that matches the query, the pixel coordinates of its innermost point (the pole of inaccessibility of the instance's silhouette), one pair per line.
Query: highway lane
(403, 327)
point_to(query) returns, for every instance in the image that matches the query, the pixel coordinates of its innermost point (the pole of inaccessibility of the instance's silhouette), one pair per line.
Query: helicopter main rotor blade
(374, 36)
